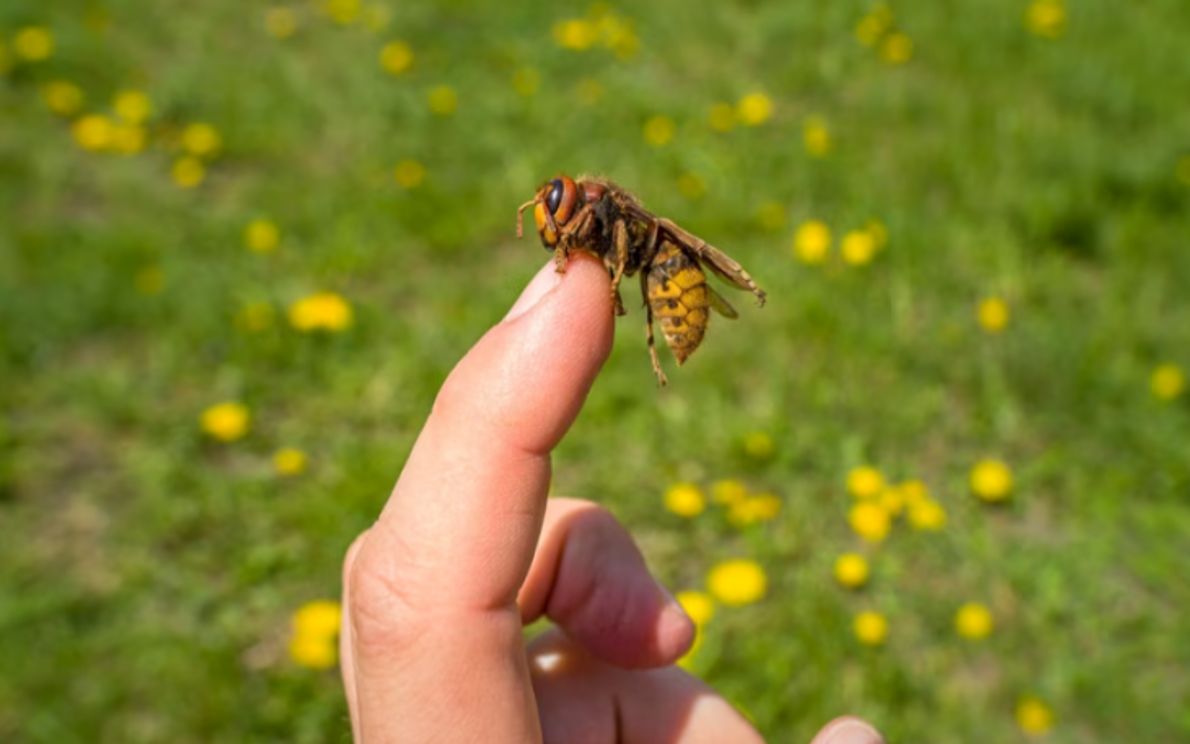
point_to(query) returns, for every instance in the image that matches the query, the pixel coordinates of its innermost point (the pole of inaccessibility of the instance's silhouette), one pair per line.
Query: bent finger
(590, 578)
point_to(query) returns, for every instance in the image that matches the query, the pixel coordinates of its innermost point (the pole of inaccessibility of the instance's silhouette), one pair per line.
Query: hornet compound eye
(555, 198)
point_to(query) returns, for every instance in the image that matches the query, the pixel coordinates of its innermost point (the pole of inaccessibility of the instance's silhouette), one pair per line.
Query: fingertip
(675, 633)
(848, 730)
(585, 283)
(542, 283)
(575, 306)
(529, 375)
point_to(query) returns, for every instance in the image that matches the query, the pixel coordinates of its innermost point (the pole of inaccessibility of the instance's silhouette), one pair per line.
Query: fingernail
(539, 286)
(849, 731)
(674, 618)
(673, 622)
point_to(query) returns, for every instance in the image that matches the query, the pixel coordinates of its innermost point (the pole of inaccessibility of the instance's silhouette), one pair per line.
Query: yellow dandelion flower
(255, 317)
(991, 480)
(33, 43)
(871, 628)
(728, 491)
(973, 621)
(1033, 716)
(851, 570)
(914, 492)
(93, 132)
(616, 33)
(575, 34)
(376, 16)
(722, 117)
(313, 652)
(692, 186)
(319, 618)
(926, 515)
(754, 109)
(992, 314)
(342, 12)
(873, 25)
(443, 100)
(62, 97)
(396, 57)
(409, 173)
(280, 22)
(892, 499)
(868, 30)
(737, 582)
(816, 136)
(698, 605)
(1046, 18)
(864, 482)
(322, 311)
(812, 242)
(758, 445)
(262, 235)
(133, 106)
(659, 130)
(227, 421)
(314, 628)
(857, 247)
(896, 49)
(526, 81)
(589, 91)
(150, 280)
(289, 461)
(765, 506)
(128, 139)
(201, 140)
(685, 500)
(1167, 381)
(762, 507)
(188, 172)
(870, 521)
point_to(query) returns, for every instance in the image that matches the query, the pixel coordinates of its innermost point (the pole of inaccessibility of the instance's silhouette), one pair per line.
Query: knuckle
(382, 621)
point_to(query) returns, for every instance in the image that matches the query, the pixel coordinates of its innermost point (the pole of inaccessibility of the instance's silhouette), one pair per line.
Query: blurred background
(939, 481)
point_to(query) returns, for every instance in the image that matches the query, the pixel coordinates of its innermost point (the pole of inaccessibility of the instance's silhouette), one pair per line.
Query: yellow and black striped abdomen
(677, 295)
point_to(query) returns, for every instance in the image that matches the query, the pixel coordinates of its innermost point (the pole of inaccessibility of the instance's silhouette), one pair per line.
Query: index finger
(433, 587)
(468, 504)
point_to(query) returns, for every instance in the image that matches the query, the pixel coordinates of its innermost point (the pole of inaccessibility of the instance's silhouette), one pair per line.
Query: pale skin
(468, 549)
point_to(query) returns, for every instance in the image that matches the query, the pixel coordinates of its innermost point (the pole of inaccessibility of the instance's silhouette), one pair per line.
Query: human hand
(468, 549)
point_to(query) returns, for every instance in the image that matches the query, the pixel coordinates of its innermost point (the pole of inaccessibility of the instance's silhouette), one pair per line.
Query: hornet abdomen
(678, 296)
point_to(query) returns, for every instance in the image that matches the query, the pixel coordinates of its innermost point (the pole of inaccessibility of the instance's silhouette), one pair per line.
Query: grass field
(1034, 155)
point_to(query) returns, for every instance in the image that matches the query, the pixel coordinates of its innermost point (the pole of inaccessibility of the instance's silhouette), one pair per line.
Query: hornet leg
(649, 334)
(620, 238)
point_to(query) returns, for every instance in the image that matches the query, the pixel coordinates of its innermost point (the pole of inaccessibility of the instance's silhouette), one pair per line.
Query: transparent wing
(720, 305)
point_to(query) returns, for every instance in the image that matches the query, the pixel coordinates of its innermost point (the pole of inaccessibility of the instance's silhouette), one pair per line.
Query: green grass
(147, 575)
